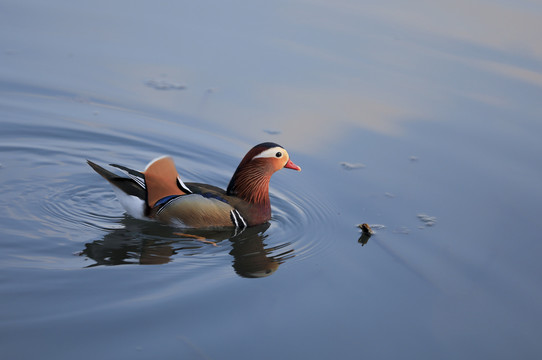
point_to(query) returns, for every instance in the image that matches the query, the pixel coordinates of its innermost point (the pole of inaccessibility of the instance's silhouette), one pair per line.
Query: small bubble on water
(351, 166)
(427, 220)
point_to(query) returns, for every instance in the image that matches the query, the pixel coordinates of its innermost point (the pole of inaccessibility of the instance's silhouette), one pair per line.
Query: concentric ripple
(65, 200)
(80, 205)
(298, 216)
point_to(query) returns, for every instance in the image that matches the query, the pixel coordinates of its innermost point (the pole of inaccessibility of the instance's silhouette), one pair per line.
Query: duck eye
(278, 154)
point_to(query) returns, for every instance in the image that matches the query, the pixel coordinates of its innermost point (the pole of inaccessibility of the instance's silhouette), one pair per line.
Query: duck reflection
(149, 243)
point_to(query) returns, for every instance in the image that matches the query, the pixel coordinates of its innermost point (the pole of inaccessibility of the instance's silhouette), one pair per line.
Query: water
(423, 122)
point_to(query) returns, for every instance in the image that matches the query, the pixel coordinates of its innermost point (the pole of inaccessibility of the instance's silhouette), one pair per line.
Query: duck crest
(250, 181)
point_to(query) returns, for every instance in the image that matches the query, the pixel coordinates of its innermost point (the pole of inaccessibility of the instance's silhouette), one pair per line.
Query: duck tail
(127, 185)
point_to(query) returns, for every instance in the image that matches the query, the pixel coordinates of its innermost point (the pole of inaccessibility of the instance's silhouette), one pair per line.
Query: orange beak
(291, 165)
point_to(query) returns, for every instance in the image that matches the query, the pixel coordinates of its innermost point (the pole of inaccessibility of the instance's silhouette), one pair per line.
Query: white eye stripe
(271, 153)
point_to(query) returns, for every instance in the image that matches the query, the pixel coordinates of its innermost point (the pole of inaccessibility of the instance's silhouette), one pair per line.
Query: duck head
(250, 181)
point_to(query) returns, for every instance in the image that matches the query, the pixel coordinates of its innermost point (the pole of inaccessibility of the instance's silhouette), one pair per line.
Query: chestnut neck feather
(250, 182)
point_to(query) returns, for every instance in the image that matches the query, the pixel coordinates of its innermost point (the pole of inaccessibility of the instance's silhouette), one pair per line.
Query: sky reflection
(455, 85)
(319, 68)
(309, 69)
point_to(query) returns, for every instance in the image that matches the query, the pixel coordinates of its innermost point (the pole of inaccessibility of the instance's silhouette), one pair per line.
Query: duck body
(159, 193)
(210, 205)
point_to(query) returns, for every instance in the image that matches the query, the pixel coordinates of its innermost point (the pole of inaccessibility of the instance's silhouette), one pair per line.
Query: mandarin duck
(159, 193)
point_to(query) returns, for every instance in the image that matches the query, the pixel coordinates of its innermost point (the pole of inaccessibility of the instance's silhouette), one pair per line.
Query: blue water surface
(422, 121)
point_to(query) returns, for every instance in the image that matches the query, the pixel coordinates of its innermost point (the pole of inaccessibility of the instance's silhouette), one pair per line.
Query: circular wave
(78, 204)
(298, 216)
(59, 191)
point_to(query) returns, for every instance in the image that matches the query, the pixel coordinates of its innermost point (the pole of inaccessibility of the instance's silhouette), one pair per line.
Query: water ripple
(79, 204)
(68, 201)
(298, 215)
